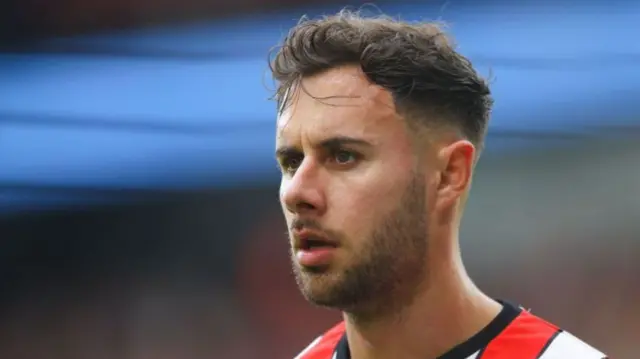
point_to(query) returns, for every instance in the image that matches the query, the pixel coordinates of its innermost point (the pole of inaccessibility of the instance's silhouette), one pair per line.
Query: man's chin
(320, 288)
(323, 299)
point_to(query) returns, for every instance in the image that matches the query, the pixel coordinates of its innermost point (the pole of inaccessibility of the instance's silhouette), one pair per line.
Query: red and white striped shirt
(513, 334)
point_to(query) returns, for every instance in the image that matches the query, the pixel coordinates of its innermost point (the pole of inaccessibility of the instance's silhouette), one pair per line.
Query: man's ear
(456, 167)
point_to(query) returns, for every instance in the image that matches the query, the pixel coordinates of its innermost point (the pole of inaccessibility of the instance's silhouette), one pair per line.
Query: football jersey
(513, 334)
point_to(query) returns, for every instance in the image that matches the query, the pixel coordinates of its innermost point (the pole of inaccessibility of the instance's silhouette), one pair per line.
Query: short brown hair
(416, 63)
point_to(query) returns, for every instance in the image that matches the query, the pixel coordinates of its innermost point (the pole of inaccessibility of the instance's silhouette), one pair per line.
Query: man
(380, 124)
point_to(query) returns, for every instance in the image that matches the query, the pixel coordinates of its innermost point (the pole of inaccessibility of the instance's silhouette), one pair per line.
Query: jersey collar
(475, 344)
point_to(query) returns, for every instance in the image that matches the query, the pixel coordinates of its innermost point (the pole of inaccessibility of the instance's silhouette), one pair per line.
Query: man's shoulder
(323, 346)
(531, 336)
(527, 336)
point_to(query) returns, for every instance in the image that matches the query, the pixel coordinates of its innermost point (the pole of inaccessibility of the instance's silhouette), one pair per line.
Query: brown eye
(343, 157)
(290, 164)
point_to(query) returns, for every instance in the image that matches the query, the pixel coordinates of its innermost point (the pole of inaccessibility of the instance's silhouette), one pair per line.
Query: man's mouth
(306, 239)
(314, 251)
(311, 243)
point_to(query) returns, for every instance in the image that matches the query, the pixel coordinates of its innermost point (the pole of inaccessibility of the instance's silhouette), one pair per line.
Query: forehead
(340, 101)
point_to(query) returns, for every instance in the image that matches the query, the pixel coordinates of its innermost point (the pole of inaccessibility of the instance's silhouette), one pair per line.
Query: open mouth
(315, 243)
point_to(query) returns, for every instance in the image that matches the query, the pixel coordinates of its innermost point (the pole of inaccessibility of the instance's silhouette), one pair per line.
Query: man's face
(353, 192)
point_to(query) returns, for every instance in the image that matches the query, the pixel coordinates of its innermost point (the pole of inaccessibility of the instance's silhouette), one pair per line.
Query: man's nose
(303, 192)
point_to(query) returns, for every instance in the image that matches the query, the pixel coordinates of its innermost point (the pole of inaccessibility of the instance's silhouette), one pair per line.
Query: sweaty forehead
(340, 101)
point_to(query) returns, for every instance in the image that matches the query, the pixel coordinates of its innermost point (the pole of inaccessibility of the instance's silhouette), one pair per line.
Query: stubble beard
(385, 273)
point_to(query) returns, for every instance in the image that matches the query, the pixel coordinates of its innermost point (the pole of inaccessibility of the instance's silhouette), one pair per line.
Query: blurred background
(138, 190)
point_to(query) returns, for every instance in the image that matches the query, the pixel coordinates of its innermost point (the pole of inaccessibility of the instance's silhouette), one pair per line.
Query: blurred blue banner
(188, 106)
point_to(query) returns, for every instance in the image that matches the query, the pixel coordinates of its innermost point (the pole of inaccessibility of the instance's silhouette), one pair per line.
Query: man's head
(377, 132)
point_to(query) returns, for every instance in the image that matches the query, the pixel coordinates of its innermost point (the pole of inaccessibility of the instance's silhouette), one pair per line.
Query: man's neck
(450, 310)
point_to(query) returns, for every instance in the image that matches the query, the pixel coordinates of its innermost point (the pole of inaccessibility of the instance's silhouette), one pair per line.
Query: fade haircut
(431, 83)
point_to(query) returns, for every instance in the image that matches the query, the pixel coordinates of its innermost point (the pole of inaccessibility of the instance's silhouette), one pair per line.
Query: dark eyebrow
(330, 143)
(340, 141)
(286, 151)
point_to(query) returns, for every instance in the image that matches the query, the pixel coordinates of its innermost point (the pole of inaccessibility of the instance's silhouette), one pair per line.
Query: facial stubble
(386, 272)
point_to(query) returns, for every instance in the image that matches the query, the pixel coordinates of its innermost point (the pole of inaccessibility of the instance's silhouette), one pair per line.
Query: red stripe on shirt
(325, 347)
(524, 338)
